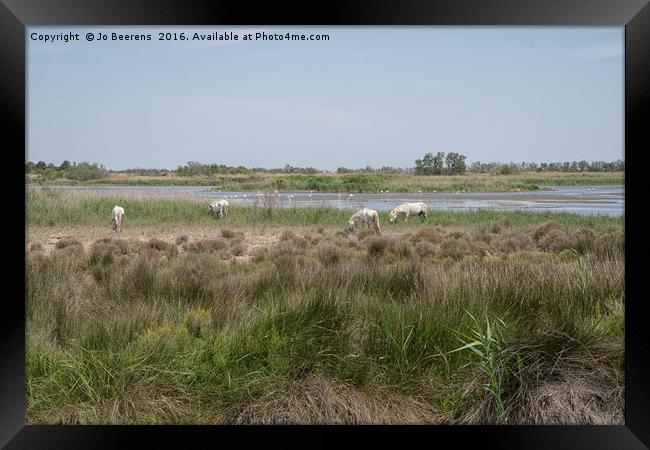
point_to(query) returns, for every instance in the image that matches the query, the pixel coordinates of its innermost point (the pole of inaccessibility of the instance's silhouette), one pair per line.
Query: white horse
(408, 209)
(368, 216)
(118, 215)
(218, 208)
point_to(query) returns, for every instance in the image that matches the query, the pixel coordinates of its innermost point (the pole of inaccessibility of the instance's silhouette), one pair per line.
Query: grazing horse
(368, 216)
(408, 209)
(218, 208)
(118, 215)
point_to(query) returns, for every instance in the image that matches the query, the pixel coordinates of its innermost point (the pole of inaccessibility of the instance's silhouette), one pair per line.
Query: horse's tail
(375, 223)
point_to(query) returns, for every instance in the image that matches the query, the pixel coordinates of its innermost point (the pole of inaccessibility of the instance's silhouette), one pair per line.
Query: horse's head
(392, 216)
(350, 225)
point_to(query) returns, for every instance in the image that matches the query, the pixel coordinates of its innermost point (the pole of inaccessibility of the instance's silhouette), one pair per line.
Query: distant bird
(457, 193)
(350, 196)
(339, 196)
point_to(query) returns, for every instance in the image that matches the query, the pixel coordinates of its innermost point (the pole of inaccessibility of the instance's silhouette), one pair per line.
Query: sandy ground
(48, 237)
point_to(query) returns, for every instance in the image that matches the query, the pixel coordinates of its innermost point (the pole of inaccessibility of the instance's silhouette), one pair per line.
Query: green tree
(438, 167)
(424, 166)
(455, 163)
(47, 175)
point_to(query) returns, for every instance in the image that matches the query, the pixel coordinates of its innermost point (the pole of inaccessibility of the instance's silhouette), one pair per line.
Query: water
(594, 200)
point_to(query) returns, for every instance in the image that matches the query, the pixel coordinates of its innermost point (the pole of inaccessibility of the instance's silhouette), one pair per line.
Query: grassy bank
(494, 323)
(55, 209)
(368, 182)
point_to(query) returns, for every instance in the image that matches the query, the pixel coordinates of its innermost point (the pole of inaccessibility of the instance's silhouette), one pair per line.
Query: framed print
(420, 218)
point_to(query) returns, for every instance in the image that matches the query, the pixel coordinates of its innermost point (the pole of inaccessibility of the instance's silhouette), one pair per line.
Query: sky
(379, 96)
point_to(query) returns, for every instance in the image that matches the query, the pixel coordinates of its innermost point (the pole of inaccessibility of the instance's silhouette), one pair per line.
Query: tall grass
(327, 330)
(53, 208)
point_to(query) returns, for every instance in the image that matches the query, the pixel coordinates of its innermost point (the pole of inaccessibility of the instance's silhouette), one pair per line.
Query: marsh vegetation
(484, 317)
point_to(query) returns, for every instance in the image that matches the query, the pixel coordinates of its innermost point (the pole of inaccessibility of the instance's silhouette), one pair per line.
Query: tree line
(566, 166)
(74, 171)
(439, 164)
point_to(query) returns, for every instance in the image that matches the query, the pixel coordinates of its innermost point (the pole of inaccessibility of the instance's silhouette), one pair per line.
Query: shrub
(401, 248)
(102, 256)
(238, 249)
(329, 254)
(287, 235)
(513, 241)
(207, 246)
(65, 242)
(376, 246)
(229, 234)
(431, 235)
(102, 253)
(545, 228)
(36, 247)
(454, 248)
(86, 171)
(556, 240)
(198, 322)
(155, 244)
(73, 249)
(425, 248)
(181, 239)
(259, 254)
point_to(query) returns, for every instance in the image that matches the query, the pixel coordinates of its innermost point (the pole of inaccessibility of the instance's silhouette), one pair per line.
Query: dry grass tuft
(230, 234)
(432, 235)
(288, 235)
(66, 242)
(400, 248)
(181, 239)
(376, 246)
(238, 249)
(207, 245)
(545, 228)
(155, 244)
(425, 249)
(329, 254)
(317, 399)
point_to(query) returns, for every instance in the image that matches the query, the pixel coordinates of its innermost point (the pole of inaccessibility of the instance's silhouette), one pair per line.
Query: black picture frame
(634, 15)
